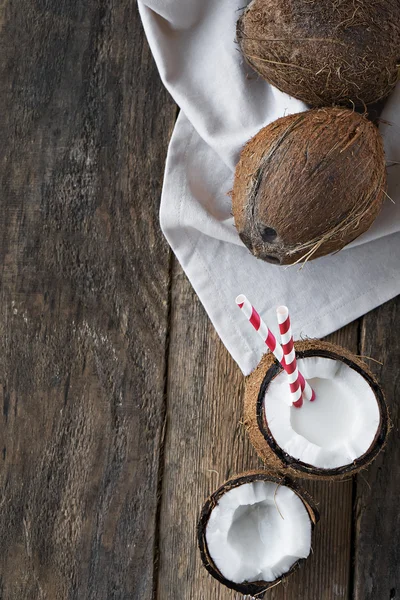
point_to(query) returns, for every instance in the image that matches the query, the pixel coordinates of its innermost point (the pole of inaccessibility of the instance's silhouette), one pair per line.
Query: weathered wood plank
(377, 553)
(84, 279)
(206, 443)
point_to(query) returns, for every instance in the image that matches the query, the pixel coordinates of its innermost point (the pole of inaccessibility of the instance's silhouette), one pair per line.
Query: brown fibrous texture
(275, 458)
(324, 52)
(256, 589)
(308, 184)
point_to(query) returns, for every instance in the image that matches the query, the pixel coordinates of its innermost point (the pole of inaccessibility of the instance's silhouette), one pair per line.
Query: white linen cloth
(223, 104)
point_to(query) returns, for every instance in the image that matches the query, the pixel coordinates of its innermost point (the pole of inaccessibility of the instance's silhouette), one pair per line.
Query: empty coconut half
(255, 530)
(308, 184)
(339, 433)
(324, 52)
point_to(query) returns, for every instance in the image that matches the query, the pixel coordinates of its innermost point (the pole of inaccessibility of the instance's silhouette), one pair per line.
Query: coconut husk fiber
(308, 184)
(324, 52)
(256, 589)
(275, 458)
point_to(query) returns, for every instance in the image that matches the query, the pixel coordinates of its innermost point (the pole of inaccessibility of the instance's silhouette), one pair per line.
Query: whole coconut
(308, 184)
(324, 52)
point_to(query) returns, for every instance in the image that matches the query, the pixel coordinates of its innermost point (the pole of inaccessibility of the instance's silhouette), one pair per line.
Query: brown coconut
(324, 52)
(308, 184)
(255, 589)
(260, 434)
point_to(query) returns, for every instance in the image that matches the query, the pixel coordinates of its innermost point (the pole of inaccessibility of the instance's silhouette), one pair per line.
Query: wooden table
(121, 408)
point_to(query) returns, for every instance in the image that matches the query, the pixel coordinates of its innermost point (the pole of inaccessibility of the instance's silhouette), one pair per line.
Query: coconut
(326, 52)
(338, 434)
(308, 184)
(255, 530)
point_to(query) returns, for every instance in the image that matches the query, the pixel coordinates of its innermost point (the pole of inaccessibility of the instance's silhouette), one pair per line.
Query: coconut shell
(276, 459)
(324, 52)
(257, 588)
(308, 184)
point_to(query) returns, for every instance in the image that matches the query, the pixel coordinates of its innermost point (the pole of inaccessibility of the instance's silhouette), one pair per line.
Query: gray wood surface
(84, 300)
(121, 407)
(377, 515)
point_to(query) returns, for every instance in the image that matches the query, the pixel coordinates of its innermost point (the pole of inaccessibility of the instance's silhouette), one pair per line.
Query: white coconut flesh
(334, 430)
(257, 531)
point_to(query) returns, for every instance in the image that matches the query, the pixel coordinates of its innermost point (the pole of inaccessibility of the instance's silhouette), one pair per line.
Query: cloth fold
(223, 104)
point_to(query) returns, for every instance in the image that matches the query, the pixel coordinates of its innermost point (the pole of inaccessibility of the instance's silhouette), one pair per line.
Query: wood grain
(84, 282)
(377, 554)
(88, 387)
(206, 443)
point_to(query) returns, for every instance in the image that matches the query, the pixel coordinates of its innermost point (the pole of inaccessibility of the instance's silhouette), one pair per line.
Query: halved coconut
(338, 434)
(255, 530)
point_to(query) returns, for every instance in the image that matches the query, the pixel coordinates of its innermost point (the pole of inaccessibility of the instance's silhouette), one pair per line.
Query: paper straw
(290, 356)
(268, 337)
(261, 328)
(263, 331)
(296, 379)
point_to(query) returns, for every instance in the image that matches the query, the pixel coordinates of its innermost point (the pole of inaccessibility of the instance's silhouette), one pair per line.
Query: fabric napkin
(223, 104)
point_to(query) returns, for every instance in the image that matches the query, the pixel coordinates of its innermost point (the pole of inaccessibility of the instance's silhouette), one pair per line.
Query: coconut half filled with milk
(255, 530)
(339, 433)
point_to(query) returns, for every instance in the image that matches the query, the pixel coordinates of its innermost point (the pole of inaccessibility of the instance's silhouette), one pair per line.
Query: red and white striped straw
(298, 385)
(270, 340)
(290, 356)
(261, 328)
(263, 331)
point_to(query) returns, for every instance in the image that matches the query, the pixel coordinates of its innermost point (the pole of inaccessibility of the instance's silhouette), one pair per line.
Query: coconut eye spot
(272, 259)
(246, 241)
(257, 532)
(268, 235)
(336, 429)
